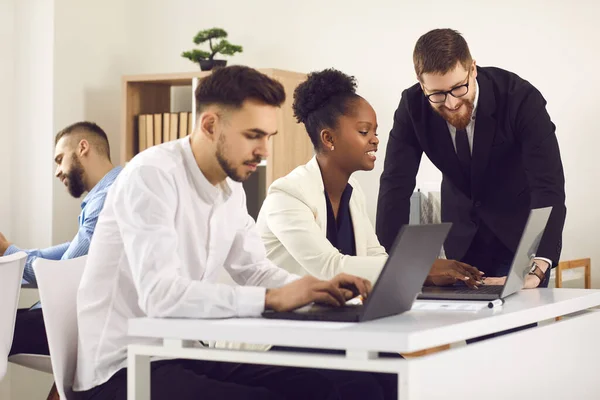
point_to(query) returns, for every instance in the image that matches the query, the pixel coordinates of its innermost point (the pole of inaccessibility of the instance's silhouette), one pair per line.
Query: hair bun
(318, 89)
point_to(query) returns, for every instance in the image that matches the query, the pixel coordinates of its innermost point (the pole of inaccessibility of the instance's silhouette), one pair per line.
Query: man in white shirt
(174, 218)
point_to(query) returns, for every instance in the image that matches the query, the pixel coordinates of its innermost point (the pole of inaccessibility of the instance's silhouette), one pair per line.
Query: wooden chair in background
(585, 263)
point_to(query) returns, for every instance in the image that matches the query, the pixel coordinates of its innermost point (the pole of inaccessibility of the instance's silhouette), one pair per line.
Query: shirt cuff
(544, 259)
(291, 278)
(12, 249)
(250, 300)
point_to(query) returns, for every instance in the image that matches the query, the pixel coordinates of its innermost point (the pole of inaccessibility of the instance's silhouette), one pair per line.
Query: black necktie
(463, 151)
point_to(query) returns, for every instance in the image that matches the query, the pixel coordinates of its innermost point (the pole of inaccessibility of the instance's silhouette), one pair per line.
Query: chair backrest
(11, 273)
(58, 282)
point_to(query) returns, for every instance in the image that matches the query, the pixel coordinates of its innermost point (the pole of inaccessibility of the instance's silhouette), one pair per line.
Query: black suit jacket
(516, 166)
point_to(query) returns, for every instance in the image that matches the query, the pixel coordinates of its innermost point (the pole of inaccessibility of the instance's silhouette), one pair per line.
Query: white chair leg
(138, 376)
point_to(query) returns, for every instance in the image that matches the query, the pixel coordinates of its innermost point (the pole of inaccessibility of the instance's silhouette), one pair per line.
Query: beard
(457, 119)
(75, 184)
(227, 165)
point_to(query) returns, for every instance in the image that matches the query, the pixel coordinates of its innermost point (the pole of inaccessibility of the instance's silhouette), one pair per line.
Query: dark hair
(94, 134)
(321, 99)
(439, 50)
(231, 86)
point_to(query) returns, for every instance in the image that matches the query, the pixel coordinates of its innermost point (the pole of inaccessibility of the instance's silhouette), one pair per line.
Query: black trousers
(388, 383)
(192, 379)
(30, 333)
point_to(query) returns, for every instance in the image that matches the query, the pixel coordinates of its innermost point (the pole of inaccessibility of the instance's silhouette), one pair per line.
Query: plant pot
(207, 65)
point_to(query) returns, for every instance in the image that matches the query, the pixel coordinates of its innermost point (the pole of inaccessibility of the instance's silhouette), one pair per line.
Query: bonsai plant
(206, 58)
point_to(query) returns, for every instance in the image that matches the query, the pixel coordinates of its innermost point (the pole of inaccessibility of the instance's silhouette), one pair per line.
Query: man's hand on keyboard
(309, 289)
(352, 286)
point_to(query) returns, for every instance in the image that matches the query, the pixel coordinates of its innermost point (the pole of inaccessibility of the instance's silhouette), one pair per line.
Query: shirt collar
(105, 182)
(206, 190)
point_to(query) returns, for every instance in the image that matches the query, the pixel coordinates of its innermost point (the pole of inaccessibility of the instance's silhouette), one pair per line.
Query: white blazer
(293, 225)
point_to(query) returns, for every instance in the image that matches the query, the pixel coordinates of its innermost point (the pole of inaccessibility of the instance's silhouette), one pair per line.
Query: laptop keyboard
(348, 313)
(336, 310)
(320, 313)
(483, 289)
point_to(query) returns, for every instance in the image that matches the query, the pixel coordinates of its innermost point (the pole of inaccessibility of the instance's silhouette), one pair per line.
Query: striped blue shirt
(90, 210)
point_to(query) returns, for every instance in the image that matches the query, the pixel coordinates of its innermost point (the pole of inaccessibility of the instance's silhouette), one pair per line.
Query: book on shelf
(183, 124)
(157, 129)
(166, 117)
(142, 133)
(174, 129)
(149, 131)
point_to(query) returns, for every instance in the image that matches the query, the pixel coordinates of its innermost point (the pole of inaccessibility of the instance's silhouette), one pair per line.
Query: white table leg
(403, 388)
(138, 375)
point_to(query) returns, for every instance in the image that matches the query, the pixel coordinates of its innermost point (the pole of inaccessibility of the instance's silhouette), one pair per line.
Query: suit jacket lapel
(320, 207)
(485, 130)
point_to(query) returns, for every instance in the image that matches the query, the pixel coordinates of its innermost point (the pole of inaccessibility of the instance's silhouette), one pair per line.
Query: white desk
(554, 361)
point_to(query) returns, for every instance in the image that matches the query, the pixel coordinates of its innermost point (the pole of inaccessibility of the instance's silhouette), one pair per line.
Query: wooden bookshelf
(149, 94)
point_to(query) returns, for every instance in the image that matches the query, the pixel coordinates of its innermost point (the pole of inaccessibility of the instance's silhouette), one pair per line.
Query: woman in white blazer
(314, 220)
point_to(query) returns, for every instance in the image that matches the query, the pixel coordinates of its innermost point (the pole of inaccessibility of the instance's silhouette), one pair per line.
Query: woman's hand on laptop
(309, 289)
(448, 272)
(494, 281)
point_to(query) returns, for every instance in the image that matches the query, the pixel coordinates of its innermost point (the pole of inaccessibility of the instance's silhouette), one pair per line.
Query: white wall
(7, 71)
(553, 44)
(28, 87)
(7, 77)
(88, 54)
(31, 162)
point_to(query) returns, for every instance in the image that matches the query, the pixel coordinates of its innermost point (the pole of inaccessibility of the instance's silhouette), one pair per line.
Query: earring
(332, 148)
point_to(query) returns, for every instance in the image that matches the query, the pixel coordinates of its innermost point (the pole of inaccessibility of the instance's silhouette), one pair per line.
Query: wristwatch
(537, 271)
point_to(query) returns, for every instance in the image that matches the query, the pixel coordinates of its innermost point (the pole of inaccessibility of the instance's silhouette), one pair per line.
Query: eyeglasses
(458, 91)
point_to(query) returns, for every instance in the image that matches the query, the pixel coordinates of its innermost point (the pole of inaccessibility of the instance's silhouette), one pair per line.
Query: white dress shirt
(293, 225)
(161, 241)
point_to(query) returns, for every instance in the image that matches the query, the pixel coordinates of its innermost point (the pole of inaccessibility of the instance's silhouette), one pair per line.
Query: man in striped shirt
(82, 156)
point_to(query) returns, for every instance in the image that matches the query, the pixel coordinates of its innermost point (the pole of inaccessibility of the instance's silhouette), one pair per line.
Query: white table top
(408, 332)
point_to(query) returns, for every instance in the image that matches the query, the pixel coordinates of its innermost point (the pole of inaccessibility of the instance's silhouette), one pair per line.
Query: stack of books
(153, 129)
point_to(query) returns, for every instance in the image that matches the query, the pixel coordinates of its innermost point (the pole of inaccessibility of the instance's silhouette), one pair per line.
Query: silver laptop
(520, 267)
(415, 249)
